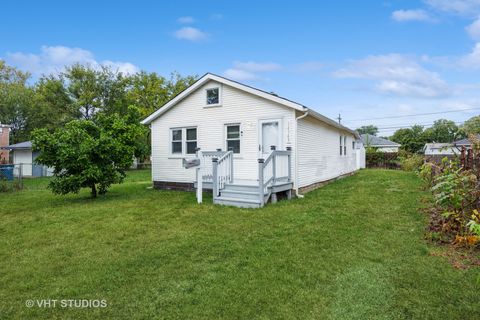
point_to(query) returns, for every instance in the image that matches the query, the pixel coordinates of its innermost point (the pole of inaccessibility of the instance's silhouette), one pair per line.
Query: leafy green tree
(91, 153)
(471, 126)
(370, 129)
(443, 130)
(149, 91)
(52, 106)
(15, 100)
(93, 90)
(411, 139)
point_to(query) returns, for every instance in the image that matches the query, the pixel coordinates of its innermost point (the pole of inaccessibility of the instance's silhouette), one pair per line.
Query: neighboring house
(381, 144)
(466, 143)
(4, 141)
(220, 114)
(446, 149)
(24, 158)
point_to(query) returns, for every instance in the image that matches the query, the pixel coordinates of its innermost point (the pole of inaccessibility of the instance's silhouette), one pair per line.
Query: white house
(381, 144)
(447, 149)
(216, 114)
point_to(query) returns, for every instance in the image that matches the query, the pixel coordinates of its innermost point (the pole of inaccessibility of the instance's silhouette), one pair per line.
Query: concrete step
(237, 202)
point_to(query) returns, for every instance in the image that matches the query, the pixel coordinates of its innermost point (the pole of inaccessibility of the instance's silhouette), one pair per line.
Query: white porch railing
(222, 171)
(207, 167)
(277, 167)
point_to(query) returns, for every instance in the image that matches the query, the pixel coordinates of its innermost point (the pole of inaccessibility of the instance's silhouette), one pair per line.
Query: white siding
(23, 157)
(319, 156)
(237, 107)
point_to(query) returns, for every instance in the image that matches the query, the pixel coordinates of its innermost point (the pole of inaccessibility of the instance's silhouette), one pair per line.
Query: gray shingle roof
(374, 141)
(20, 145)
(464, 142)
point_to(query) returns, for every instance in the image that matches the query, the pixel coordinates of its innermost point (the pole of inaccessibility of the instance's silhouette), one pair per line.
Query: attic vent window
(213, 96)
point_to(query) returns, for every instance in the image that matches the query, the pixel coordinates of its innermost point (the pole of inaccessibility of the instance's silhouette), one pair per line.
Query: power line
(427, 125)
(415, 115)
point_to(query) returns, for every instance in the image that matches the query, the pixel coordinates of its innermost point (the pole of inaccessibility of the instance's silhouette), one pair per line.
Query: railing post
(260, 181)
(215, 176)
(274, 163)
(231, 166)
(289, 159)
(199, 176)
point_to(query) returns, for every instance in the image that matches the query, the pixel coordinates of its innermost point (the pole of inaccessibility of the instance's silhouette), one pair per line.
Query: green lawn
(351, 250)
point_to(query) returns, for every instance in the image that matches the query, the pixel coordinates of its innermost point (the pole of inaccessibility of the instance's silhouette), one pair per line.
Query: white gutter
(296, 153)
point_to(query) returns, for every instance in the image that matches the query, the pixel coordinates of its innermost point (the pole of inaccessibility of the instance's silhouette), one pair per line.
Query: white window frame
(345, 146)
(239, 138)
(341, 145)
(219, 87)
(183, 141)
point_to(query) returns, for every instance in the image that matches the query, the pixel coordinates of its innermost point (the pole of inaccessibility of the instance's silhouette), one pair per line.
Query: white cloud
(257, 66)
(53, 59)
(190, 34)
(471, 60)
(186, 20)
(474, 29)
(462, 7)
(396, 74)
(250, 70)
(240, 75)
(411, 15)
(308, 66)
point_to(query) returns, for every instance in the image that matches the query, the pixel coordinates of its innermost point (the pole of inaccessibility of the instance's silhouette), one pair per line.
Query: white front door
(270, 134)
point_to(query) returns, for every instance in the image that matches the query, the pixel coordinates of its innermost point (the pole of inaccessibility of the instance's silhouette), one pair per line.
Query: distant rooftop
(464, 142)
(374, 141)
(20, 145)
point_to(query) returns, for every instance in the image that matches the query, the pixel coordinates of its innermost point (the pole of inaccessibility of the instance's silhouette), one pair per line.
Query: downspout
(296, 153)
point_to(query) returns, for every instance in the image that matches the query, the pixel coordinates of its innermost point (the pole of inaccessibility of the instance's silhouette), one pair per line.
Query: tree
(412, 139)
(471, 126)
(149, 91)
(443, 130)
(90, 153)
(52, 106)
(93, 90)
(370, 129)
(15, 100)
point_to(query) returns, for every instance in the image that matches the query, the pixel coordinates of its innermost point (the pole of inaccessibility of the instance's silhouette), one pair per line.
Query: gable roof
(257, 92)
(374, 141)
(465, 142)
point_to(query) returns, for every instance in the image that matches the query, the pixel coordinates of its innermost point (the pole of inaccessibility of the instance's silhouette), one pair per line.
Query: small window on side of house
(341, 146)
(213, 96)
(191, 140)
(233, 137)
(344, 145)
(177, 141)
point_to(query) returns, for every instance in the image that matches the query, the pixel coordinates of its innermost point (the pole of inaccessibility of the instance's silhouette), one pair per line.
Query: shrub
(412, 162)
(456, 193)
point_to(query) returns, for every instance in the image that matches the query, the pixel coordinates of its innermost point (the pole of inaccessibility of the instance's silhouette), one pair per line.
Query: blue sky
(363, 59)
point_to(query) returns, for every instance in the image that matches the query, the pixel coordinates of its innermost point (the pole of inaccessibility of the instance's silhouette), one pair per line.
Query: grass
(351, 250)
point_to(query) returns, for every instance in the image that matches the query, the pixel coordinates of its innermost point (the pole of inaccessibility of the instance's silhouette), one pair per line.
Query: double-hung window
(344, 145)
(183, 141)
(233, 137)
